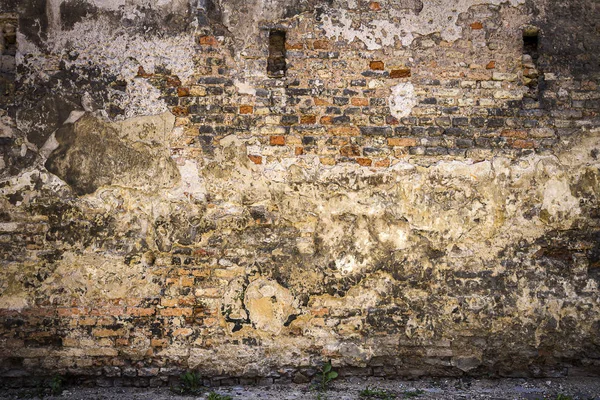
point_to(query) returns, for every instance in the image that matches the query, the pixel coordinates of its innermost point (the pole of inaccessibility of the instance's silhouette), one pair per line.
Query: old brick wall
(417, 195)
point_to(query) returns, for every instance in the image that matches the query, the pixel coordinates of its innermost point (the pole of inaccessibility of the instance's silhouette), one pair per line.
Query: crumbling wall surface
(418, 195)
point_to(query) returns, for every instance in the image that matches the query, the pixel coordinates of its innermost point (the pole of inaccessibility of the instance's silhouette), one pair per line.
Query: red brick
(374, 6)
(476, 25)
(402, 142)
(277, 140)
(400, 73)
(365, 162)
(208, 41)
(299, 151)
(376, 65)
(491, 65)
(255, 159)
(246, 109)
(514, 134)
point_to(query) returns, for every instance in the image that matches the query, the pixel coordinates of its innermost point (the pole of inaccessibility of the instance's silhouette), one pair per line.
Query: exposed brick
(491, 65)
(350, 151)
(476, 25)
(343, 131)
(183, 91)
(383, 163)
(277, 140)
(400, 73)
(308, 119)
(359, 101)
(514, 134)
(522, 144)
(246, 109)
(377, 65)
(208, 41)
(365, 162)
(321, 44)
(403, 142)
(374, 6)
(255, 159)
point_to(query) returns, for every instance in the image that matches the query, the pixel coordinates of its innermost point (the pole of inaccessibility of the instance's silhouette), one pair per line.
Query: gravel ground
(350, 389)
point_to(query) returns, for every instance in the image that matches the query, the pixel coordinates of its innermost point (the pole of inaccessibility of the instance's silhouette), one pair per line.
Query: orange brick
(400, 73)
(182, 332)
(376, 65)
(491, 65)
(294, 46)
(321, 44)
(523, 144)
(180, 111)
(299, 151)
(169, 302)
(359, 101)
(183, 91)
(208, 41)
(158, 343)
(277, 140)
(176, 312)
(374, 6)
(383, 163)
(246, 109)
(255, 159)
(402, 142)
(107, 332)
(514, 134)
(350, 151)
(308, 119)
(476, 25)
(343, 130)
(122, 342)
(326, 120)
(321, 102)
(141, 312)
(365, 162)
(187, 281)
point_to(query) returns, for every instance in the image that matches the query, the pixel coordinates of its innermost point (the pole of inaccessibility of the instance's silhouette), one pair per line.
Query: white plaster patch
(402, 100)
(558, 199)
(142, 99)
(245, 88)
(436, 16)
(191, 183)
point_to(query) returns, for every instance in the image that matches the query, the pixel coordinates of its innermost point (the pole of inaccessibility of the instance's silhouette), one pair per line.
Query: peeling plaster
(436, 16)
